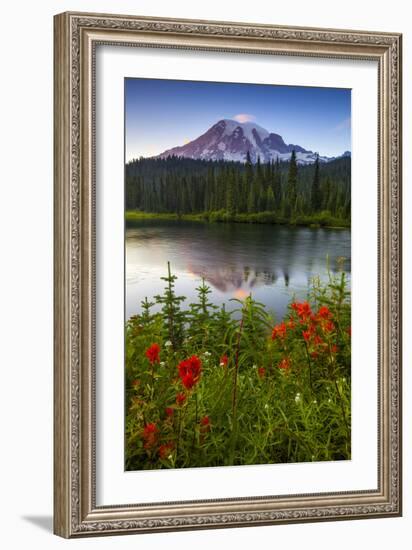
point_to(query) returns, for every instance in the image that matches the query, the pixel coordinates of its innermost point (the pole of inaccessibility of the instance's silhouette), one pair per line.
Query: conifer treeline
(186, 186)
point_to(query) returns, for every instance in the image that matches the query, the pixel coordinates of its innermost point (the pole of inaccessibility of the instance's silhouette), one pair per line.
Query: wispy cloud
(343, 125)
(244, 117)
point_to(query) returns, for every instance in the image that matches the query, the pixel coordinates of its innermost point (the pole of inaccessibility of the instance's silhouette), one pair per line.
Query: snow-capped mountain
(231, 140)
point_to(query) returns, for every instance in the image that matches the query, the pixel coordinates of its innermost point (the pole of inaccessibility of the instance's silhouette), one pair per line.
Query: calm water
(274, 263)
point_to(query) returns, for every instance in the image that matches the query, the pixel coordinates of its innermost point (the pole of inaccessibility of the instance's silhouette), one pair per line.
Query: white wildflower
(162, 363)
(297, 397)
(168, 343)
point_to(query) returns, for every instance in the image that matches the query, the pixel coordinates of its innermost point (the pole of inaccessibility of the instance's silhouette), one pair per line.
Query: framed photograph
(227, 274)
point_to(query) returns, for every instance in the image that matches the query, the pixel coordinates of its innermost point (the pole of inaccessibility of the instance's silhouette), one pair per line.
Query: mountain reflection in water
(274, 263)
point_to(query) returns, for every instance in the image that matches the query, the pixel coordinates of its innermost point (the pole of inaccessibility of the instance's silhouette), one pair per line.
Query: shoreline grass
(323, 219)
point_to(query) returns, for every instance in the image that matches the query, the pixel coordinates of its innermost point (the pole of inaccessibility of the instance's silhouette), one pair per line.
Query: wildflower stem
(342, 407)
(340, 399)
(179, 425)
(196, 421)
(310, 367)
(234, 394)
(236, 370)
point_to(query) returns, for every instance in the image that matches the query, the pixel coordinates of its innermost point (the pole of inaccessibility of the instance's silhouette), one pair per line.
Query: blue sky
(161, 114)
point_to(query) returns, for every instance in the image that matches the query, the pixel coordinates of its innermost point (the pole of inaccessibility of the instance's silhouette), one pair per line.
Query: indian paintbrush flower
(261, 372)
(224, 360)
(150, 432)
(189, 371)
(302, 309)
(279, 331)
(205, 422)
(169, 411)
(284, 364)
(180, 398)
(166, 449)
(152, 353)
(324, 313)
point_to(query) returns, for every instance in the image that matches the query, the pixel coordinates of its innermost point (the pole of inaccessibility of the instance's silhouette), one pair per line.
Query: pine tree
(251, 200)
(243, 192)
(277, 183)
(249, 168)
(230, 193)
(326, 194)
(270, 199)
(200, 316)
(291, 190)
(146, 317)
(262, 200)
(173, 316)
(316, 196)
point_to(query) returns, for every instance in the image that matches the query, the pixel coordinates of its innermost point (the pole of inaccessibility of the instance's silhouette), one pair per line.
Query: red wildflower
(188, 380)
(189, 371)
(329, 326)
(302, 309)
(314, 354)
(166, 449)
(205, 422)
(261, 372)
(149, 435)
(317, 340)
(180, 398)
(224, 360)
(204, 428)
(152, 353)
(279, 331)
(306, 335)
(334, 348)
(291, 323)
(324, 313)
(284, 364)
(136, 383)
(169, 411)
(149, 429)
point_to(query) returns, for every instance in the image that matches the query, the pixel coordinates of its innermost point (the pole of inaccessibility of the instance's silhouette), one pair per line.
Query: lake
(274, 263)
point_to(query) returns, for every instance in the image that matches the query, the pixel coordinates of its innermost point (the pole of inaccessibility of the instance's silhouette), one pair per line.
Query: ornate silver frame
(75, 38)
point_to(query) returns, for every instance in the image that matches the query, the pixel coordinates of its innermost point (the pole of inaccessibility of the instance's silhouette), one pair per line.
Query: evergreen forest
(274, 192)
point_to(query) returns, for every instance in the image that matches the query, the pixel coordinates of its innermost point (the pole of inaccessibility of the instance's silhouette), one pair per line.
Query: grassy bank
(322, 219)
(205, 387)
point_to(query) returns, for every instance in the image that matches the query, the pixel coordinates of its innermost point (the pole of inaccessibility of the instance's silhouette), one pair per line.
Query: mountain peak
(231, 140)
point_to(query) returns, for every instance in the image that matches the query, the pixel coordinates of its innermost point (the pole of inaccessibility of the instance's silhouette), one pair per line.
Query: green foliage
(264, 393)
